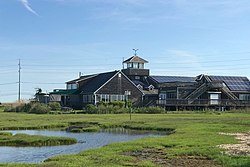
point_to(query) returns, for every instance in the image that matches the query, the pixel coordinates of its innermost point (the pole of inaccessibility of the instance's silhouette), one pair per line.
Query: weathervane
(135, 51)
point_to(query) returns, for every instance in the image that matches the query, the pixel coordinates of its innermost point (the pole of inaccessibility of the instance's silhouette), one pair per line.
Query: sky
(57, 39)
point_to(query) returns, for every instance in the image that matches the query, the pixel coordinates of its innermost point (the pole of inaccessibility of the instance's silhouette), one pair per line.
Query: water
(85, 140)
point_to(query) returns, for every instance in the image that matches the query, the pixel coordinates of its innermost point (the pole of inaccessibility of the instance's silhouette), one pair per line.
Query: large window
(109, 98)
(88, 98)
(162, 95)
(244, 97)
(214, 99)
(71, 86)
(171, 94)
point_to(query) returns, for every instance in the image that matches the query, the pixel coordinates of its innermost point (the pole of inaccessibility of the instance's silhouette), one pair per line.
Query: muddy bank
(159, 157)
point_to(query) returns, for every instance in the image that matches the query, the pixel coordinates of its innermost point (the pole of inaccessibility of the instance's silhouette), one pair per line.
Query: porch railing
(203, 102)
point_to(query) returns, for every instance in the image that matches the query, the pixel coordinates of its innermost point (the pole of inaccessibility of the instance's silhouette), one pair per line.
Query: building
(91, 89)
(135, 83)
(204, 91)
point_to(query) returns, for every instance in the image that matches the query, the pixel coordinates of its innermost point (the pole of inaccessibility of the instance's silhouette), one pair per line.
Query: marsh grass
(24, 140)
(196, 134)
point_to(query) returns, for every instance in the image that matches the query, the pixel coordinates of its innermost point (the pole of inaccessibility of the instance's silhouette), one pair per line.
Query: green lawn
(195, 135)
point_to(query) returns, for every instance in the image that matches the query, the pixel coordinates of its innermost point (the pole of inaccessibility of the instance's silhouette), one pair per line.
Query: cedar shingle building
(172, 92)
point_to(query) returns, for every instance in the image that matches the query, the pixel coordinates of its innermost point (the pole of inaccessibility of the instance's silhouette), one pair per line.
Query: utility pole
(19, 81)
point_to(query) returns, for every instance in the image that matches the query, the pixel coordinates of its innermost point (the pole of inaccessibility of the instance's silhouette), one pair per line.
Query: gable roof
(80, 79)
(234, 83)
(135, 59)
(65, 92)
(168, 79)
(97, 81)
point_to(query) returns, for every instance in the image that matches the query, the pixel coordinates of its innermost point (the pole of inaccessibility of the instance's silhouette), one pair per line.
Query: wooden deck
(203, 104)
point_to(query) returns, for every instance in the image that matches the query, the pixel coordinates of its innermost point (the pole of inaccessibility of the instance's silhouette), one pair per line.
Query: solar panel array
(234, 83)
(166, 79)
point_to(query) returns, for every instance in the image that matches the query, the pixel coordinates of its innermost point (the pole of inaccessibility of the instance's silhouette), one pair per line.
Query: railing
(203, 102)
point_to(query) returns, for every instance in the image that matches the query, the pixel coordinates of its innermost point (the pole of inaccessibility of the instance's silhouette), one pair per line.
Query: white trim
(105, 83)
(114, 77)
(131, 82)
(139, 86)
(214, 92)
(151, 87)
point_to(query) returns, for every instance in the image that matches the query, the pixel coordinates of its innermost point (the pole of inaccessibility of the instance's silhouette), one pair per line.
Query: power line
(10, 83)
(45, 83)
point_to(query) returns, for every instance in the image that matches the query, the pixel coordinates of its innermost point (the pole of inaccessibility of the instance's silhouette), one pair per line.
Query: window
(151, 87)
(162, 95)
(244, 97)
(68, 86)
(137, 77)
(71, 86)
(139, 87)
(74, 86)
(135, 65)
(108, 98)
(214, 99)
(141, 65)
(171, 94)
(129, 65)
(87, 98)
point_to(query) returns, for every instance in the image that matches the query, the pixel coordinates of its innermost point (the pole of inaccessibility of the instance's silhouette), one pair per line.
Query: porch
(200, 104)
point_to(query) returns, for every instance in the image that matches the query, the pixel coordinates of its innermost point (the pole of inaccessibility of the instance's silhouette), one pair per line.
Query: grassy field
(196, 138)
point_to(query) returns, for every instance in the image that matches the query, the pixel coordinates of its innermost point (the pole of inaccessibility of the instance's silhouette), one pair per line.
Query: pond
(85, 140)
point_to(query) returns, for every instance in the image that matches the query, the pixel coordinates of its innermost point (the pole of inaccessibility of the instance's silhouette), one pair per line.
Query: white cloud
(26, 4)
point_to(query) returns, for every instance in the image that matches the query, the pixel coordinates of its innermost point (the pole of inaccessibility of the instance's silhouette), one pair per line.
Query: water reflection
(85, 140)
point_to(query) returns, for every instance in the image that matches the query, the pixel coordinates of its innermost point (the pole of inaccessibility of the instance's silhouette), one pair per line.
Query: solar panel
(234, 83)
(166, 79)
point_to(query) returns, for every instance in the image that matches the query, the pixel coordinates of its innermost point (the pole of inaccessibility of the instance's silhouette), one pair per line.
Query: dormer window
(71, 86)
(139, 87)
(151, 87)
(137, 77)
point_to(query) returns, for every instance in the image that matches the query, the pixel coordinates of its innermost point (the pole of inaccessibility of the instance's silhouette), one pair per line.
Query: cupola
(135, 66)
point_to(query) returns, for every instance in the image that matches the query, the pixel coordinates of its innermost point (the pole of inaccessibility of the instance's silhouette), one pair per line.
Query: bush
(107, 108)
(150, 110)
(116, 103)
(54, 106)
(25, 107)
(9, 109)
(91, 109)
(39, 108)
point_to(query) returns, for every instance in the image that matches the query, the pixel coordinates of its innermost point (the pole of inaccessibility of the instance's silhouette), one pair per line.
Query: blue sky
(57, 39)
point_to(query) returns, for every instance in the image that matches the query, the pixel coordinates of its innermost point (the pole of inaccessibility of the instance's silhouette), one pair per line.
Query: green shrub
(22, 107)
(9, 109)
(91, 109)
(54, 106)
(25, 107)
(106, 108)
(150, 110)
(39, 108)
(117, 103)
